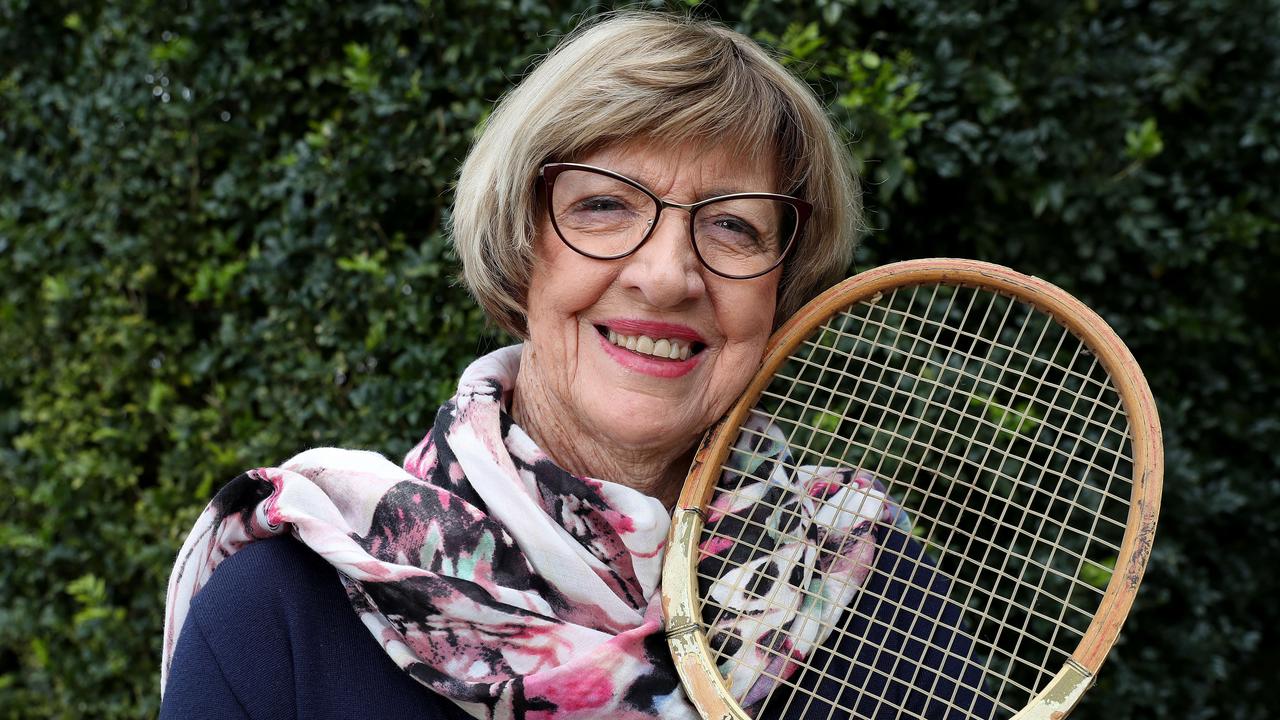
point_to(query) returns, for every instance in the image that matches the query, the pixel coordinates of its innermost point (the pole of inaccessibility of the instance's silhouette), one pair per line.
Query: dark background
(221, 242)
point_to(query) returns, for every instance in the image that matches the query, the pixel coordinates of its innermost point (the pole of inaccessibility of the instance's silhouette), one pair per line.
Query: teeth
(667, 348)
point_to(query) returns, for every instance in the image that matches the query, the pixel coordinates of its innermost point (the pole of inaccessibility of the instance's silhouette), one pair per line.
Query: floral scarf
(519, 590)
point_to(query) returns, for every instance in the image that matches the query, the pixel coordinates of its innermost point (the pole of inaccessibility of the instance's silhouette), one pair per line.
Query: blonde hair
(646, 76)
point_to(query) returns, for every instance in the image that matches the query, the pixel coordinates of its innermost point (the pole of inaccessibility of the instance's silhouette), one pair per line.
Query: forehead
(694, 169)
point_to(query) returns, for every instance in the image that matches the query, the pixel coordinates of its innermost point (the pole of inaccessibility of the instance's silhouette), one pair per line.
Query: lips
(664, 341)
(652, 348)
(661, 348)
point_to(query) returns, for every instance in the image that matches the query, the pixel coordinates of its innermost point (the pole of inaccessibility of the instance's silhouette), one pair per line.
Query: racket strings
(881, 327)
(884, 366)
(1002, 438)
(1042, 518)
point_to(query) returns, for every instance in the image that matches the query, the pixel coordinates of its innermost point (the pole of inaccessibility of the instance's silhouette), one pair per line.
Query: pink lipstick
(653, 335)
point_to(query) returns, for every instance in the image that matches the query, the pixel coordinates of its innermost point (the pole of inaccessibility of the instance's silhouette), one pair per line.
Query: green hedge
(221, 242)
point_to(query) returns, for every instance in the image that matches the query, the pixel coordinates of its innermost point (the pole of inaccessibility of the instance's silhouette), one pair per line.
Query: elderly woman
(643, 209)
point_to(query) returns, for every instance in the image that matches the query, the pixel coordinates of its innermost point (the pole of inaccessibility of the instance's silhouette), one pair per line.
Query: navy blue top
(907, 649)
(274, 637)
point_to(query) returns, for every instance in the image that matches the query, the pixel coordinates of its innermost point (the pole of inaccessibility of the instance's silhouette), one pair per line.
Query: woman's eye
(736, 225)
(736, 231)
(600, 203)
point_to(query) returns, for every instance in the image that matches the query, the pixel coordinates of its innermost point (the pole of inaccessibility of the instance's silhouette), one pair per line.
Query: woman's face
(627, 398)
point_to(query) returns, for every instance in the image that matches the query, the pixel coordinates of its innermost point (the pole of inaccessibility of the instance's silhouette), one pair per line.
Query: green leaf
(359, 73)
(1143, 142)
(826, 421)
(364, 262)
(1098, 575)
(1021, 419)
(175, 50)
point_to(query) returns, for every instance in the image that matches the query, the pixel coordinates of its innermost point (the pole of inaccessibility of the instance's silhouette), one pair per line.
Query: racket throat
(1060, 695)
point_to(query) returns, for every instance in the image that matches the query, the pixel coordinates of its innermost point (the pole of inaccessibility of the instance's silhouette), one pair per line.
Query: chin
(645, 422)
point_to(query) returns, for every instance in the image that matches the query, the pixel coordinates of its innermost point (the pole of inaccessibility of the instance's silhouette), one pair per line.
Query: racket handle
(689, 648)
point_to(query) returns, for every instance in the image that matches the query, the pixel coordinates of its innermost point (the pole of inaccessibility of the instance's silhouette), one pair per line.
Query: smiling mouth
(659, 348)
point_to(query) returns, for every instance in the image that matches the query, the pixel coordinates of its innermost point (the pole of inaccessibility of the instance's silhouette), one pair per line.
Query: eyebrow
(717, 192)
(714, 192)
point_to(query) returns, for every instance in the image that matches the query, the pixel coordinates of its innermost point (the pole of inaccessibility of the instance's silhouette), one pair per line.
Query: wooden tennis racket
(936, 499)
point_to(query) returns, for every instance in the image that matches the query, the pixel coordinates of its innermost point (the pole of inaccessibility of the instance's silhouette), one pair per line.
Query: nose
(665, 271)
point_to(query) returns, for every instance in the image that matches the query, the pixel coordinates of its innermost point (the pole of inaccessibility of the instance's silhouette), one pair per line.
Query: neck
(657, 472)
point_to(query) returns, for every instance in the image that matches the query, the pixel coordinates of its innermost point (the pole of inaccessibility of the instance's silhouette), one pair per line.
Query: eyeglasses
(607, 216)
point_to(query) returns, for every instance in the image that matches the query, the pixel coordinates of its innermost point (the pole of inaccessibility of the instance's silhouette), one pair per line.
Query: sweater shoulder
(235, 650)
(277, 566)
(262, 598)
(278, 615)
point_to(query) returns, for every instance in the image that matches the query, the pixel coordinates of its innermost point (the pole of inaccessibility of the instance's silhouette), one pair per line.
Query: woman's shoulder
(276, 622)
(281, 569)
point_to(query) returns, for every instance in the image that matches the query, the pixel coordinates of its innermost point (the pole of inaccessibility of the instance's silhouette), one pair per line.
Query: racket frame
(688, 643)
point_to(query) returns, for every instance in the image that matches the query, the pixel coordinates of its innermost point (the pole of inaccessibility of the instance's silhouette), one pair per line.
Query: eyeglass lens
(605, 217)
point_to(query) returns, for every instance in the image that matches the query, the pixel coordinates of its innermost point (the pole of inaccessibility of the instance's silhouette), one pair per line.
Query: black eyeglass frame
(548, 173)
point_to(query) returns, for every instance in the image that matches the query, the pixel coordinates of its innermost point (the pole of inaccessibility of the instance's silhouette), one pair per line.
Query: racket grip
(689, 649)
(680, 601)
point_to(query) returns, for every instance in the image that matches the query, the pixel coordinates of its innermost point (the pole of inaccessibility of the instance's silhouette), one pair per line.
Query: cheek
(562, 282)
(746, 313)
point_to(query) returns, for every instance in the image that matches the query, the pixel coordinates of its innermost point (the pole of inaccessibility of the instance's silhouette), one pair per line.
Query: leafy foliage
(221, 239)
